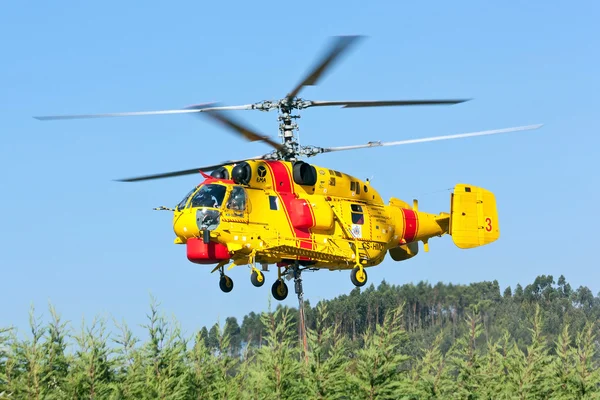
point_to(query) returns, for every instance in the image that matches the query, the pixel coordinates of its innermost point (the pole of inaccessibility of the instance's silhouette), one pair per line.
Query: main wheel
(225, 283)
(358, 276)
(257, 278)
(279, 290)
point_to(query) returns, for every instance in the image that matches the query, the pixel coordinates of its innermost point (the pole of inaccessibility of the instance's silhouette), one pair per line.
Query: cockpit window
(209, 196)
(181, 204)
(237, 199)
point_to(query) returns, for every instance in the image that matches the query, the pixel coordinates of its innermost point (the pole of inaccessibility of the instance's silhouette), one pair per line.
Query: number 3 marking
(489, 224)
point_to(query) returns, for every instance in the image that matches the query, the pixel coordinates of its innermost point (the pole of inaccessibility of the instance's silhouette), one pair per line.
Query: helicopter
(277, 209)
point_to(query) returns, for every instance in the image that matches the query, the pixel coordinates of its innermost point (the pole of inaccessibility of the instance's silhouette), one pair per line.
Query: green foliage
(392, 342)
(378, 370)
(277, 366)
(327, 374)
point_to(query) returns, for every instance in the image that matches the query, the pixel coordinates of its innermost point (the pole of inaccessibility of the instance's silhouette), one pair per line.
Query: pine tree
(378, 371)
(5, 362)
(129, 381)
(276, 372)
(25, 365)
(466, 360)
(203, 368)
(327, 369)
(55, 364)
(165, 374)
(91, 368)
(528, 371)
(586, 374)
(222, 384)
(431, 373)
(561, 379)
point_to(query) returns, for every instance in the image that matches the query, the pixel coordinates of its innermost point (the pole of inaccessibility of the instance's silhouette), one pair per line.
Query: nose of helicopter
(189, 223)
(184, 225)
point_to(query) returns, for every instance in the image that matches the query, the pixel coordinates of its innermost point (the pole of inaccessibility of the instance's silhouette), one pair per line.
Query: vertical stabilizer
(474, 218)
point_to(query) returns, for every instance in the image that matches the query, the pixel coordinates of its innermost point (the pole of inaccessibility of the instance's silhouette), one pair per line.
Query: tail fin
(473, 217)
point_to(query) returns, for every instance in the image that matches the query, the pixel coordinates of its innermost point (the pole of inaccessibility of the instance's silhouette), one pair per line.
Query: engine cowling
(241, 173)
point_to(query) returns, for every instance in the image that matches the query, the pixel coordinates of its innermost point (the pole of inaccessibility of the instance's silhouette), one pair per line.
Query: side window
(237, 199)
(274, 202)
(357, 214)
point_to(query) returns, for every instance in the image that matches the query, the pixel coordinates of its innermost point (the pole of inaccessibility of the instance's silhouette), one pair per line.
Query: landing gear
(358, 276)
(257, 278)
(225, 283)
(279, 290)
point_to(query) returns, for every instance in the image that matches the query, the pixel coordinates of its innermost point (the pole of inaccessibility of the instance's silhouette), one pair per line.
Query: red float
(201, 253)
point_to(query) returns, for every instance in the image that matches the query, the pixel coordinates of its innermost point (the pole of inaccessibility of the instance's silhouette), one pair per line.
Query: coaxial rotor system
(289, 149)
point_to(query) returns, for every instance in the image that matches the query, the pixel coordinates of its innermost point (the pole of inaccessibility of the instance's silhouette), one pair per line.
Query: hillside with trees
(388, 342)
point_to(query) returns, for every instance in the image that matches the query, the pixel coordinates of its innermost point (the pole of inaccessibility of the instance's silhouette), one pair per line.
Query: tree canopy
(412, 341)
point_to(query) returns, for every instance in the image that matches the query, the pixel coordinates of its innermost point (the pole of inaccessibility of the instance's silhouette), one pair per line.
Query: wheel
(226, 284)
(279, 290)
(358, 277)
(257, 278)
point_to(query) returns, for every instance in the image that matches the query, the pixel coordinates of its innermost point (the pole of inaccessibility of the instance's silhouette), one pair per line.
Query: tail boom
(472, 222)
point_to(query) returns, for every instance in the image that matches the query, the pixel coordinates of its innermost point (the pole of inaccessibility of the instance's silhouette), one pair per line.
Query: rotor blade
(383, 103)
(246, 132)
(431, 139)
(185, 171)
(193, 109)
(337, 47)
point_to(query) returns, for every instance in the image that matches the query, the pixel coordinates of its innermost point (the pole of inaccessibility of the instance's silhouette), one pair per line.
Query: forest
(411, 341)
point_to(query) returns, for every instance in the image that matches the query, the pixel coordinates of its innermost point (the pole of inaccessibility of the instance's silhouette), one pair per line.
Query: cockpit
(214, 195)
(201, 210)
(211, 195)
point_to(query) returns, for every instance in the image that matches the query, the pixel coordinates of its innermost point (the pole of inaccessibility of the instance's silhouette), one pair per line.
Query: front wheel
(257, 278)
(226, 284)
(358, 276)
(279, 290)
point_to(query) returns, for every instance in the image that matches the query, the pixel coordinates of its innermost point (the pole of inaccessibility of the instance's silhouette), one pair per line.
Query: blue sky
(91, 246)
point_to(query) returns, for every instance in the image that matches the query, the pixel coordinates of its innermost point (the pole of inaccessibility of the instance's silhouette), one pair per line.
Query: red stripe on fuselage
(284, 186)
(281, 177)
(410, 224)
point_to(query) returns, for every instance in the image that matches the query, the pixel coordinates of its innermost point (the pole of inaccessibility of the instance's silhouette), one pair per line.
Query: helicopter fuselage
(268, 212)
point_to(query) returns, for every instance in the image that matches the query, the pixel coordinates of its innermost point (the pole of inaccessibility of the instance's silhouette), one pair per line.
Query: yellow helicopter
(276, 209)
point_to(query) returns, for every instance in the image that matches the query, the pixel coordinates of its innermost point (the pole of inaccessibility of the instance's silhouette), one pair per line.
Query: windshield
(181, 204)
(209, 196)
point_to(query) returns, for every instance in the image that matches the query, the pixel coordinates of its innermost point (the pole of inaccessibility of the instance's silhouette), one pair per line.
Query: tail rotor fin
(473, 217)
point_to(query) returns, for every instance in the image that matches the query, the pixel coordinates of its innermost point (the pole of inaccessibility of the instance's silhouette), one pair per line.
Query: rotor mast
(292, 149)
(287, 126)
